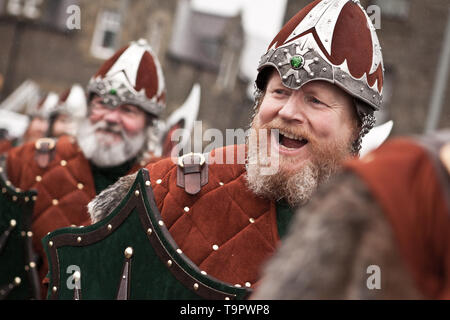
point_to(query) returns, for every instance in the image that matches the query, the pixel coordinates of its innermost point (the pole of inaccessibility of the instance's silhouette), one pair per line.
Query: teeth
(291, 136)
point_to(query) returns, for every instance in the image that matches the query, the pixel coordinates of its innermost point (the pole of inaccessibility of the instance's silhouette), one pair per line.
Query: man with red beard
(318, 86)
(124, 96)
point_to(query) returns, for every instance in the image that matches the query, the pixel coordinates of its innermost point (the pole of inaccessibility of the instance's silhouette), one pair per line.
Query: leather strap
(45, 151)
(192, 173)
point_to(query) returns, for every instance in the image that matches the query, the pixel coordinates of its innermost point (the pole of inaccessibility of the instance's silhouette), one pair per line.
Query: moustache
(281, 126)
(110, 127)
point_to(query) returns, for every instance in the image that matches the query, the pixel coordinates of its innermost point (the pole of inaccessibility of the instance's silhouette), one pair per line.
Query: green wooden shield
(128, 255)
(18, 266)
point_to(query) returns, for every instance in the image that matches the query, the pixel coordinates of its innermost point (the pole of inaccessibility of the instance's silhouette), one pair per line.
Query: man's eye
(314, 100)
(281, 92)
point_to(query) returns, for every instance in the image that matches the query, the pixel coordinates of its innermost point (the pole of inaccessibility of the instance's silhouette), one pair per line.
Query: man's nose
(112, 116)
(292, 110)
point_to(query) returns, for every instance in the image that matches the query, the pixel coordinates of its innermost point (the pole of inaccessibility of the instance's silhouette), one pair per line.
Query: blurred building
(195, 45)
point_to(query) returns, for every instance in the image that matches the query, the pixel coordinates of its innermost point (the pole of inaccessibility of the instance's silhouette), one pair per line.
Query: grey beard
(108, 156)
(295, 188)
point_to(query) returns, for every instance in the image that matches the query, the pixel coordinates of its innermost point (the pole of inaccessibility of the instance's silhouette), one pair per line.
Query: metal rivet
(147, 183)
(195, 286)
(109, 227)
(55, 202)
(14, 198)
(8, 183)
(158, 181)
(136, 193)
(280, 64)
(38, 178)
(32, 264)
(215, 247)
(63, 163)
(34, 198)
(149, 231)
(252, 220)
(186, 209)
(203, 273)
(13, 223)
(227, 298)
(27, 199)
(17, 281)
(169, 263)
(18, 190)
(324, 69)
(50, 243)
(79, 239)
(248, 284)
(221, 183)
(29, 234)
(161, 223)
(128, 252)
(311, 74)
(238, 286)
(179, 251)
(54, 289)
(80, 186)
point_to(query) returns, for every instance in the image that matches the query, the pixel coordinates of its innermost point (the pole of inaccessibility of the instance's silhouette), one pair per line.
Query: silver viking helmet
(333, 41)
(133, 75)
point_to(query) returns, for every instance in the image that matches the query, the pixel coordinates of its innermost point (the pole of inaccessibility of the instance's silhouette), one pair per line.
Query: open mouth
(291, 141)
(110, 132)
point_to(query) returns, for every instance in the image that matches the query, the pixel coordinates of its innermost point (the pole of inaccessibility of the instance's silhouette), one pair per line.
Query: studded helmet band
(116, 95)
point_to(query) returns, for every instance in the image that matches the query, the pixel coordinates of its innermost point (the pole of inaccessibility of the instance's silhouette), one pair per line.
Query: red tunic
(65, 187)
(403, 178)
(225, 229)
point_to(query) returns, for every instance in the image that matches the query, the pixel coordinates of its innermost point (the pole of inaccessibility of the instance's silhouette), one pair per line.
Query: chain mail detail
(367, 123)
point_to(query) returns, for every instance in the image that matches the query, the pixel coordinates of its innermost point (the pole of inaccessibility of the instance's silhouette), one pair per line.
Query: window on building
(394, 9)
(105, 38)
(197, 36)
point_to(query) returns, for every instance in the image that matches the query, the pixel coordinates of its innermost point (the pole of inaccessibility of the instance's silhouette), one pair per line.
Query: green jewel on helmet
(297, 62)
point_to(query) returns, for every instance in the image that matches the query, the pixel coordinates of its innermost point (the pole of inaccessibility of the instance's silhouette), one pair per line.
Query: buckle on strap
(192, 172)
(45, 149)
